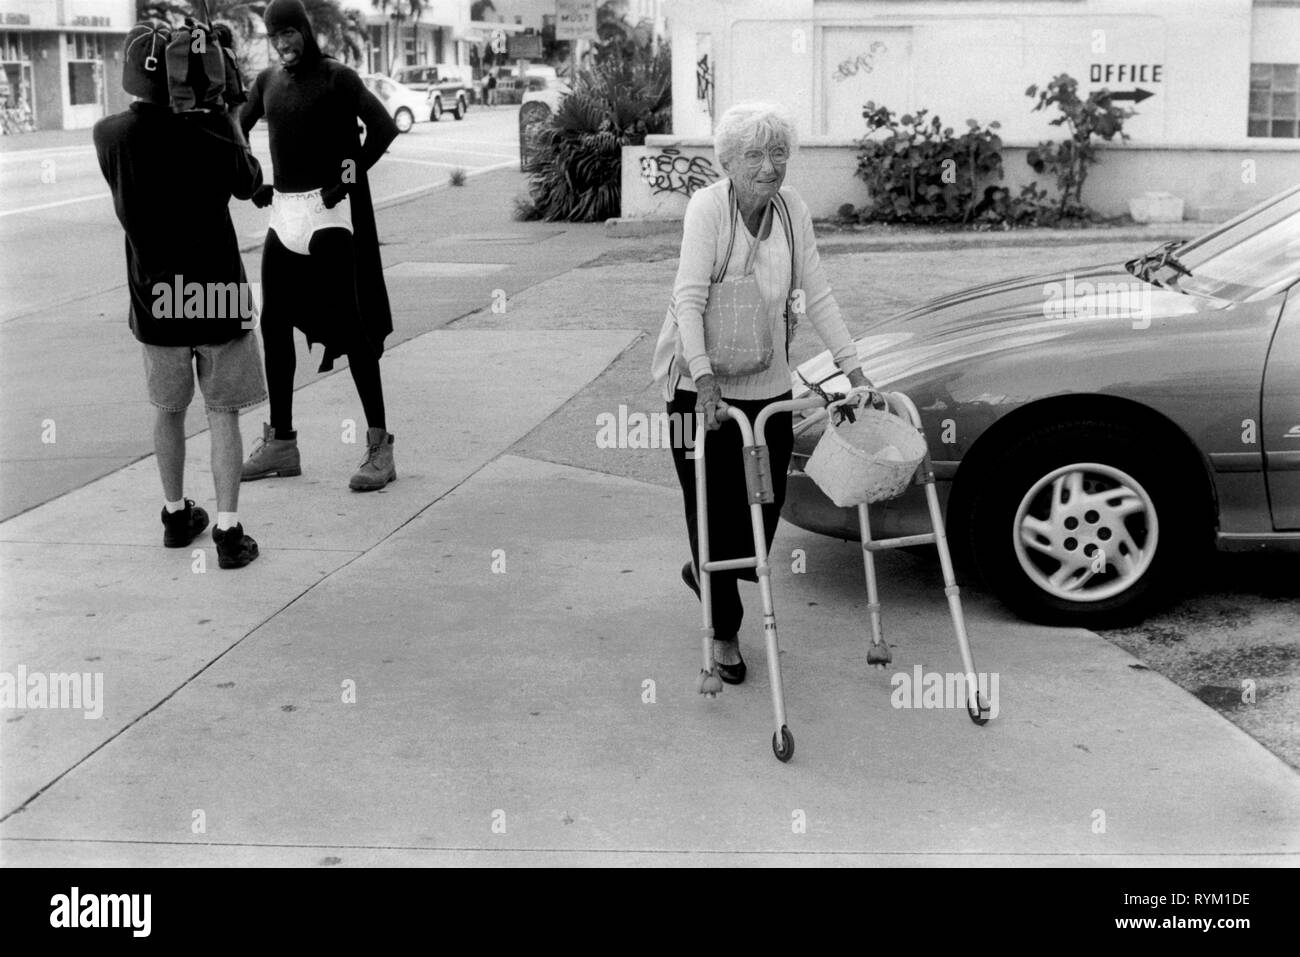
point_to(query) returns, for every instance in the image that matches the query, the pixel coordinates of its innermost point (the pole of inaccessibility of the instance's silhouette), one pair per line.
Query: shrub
(919, 172)
(576, 165)
(1070, 159)
(457, 177)
(524, 208)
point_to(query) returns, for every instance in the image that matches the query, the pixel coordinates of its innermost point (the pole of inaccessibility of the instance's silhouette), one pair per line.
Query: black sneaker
(234, 548)
(181, 528)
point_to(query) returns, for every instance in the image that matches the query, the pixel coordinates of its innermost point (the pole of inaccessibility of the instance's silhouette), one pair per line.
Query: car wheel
(534, 111)
(404, 119)
(436, 113)
(459, 110)
(1084, 523)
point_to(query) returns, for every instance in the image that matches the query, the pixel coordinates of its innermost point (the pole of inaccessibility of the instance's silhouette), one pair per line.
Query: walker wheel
(783, 744)
(977, 713)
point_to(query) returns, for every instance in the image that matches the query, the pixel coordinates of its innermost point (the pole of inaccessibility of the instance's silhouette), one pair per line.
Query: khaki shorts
(230, 375)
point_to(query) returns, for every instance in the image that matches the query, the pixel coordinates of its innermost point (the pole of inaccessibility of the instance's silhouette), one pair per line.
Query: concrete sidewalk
(446, 254)
(493, 662)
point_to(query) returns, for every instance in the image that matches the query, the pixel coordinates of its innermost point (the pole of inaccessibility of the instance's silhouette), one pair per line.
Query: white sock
(173, 507)
(227, 520)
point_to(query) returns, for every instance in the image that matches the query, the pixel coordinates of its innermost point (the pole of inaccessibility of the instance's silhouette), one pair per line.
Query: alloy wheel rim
(1085, 532)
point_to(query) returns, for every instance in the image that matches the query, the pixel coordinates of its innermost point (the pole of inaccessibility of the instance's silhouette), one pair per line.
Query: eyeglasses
(779, 156)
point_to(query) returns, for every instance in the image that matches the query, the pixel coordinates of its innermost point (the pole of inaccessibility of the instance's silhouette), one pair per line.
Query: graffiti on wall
(672, 171)
(704, 73)
(862, 63)
(703, 79)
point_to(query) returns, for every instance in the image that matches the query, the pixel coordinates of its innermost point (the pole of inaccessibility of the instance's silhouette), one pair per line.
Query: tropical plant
(1070, 159)
(576, 166)
(617, 37)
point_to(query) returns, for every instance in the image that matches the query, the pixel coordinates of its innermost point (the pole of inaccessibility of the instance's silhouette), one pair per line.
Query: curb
(632, 228)
(850, 241)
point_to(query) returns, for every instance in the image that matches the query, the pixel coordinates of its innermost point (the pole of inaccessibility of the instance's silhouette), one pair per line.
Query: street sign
(575, 19)
(524, 46)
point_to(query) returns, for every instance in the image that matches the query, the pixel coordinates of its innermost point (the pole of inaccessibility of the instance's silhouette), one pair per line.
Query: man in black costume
(321, 270)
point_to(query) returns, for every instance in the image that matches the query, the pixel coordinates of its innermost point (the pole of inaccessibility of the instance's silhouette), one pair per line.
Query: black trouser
(316, 293)
(730, 531)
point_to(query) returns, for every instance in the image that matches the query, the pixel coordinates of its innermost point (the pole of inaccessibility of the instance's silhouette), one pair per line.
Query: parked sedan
(1096, 433)
(407, 107)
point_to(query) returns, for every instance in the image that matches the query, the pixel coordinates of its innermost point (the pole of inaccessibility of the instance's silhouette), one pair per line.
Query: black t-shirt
(172, 177)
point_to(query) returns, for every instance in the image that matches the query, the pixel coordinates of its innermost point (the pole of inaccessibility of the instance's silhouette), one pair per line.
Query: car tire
(1042, 511)
(534, 111)
(460, 109)
(404, 119)
(435, 114)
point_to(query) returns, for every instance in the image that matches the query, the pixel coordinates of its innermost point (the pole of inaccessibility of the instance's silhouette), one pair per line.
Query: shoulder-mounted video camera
(202, 73)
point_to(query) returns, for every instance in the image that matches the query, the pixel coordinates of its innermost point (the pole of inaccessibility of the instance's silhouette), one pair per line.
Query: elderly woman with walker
(749, 270)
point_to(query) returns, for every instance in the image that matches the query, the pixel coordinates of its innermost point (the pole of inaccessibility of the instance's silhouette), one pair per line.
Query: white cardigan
(680, 355)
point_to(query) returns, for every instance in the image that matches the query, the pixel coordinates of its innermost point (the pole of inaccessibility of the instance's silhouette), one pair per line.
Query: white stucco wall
(1214, 182)
(960, 59)
(964, 58)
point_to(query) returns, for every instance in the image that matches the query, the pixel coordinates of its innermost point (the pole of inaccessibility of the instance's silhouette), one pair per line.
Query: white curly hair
(747, 125)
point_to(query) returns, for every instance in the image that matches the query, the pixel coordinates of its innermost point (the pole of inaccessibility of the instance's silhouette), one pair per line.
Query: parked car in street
(1096, 433)
(406, 106)
(544, 90)
(446, 87)
(542, 86)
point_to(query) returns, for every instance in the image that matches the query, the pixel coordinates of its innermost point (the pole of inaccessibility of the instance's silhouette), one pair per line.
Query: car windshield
(1253, 256)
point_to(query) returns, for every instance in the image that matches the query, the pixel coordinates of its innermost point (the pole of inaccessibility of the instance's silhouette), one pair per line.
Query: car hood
(1082, 308)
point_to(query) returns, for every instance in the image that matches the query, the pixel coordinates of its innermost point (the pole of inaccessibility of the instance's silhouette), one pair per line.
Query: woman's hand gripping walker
(758, 480)
(758, 483)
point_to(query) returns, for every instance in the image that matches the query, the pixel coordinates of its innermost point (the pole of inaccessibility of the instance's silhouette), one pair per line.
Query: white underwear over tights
(295, 217)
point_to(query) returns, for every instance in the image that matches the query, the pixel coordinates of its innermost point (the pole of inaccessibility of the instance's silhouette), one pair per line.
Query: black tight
(731, 533)
(316, 293)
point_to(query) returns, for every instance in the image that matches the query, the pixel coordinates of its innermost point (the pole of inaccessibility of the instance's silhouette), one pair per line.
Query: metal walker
(758, 482)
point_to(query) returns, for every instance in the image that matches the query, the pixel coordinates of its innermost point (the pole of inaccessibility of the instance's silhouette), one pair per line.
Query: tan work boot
(377, 469)
(272, 457)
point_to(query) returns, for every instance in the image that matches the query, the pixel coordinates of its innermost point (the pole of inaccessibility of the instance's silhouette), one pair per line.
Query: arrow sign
(1137, 96)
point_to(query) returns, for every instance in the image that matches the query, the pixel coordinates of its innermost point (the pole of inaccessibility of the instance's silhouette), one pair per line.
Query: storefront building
(438, 36)
(1215, 83)
(61, 62)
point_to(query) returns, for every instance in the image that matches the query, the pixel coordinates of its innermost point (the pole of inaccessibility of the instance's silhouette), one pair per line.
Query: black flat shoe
(688, 576)
(731, 674)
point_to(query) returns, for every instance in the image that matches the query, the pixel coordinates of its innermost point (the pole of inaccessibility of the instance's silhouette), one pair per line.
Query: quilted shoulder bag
(737, 330)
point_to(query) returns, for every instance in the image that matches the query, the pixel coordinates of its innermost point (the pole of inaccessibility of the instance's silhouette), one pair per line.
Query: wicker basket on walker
(870, 459)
